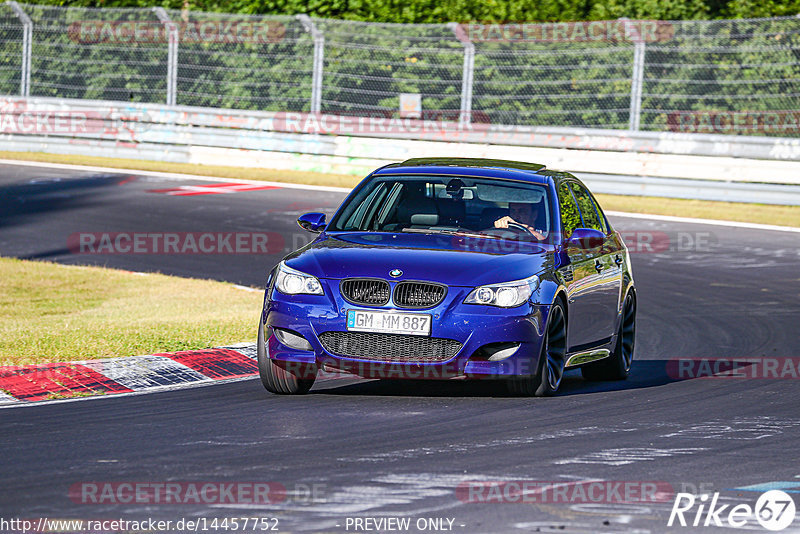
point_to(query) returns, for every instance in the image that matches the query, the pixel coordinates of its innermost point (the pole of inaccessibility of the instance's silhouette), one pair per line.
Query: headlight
(291, 282)
(505, 295)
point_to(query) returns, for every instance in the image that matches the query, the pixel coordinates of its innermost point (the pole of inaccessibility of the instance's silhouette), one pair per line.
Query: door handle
(618, 259)
(598, 265)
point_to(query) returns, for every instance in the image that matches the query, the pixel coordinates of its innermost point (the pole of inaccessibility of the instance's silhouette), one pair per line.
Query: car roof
(489, 168)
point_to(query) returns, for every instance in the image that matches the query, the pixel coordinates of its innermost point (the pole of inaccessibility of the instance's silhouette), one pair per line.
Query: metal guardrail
(141, 120)
(641, 163)
(757, 193)
(754, 193)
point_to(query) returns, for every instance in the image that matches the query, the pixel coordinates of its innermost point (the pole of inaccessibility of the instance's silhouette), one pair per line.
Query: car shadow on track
(644, 374)
(23, 202)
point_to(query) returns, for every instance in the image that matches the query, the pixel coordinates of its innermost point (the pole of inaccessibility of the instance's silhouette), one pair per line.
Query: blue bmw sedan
(447, 268)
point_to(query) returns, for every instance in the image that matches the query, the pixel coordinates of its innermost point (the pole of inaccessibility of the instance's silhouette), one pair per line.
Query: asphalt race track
(373, 449)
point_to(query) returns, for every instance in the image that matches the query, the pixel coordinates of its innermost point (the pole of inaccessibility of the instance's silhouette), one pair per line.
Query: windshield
(442, 204)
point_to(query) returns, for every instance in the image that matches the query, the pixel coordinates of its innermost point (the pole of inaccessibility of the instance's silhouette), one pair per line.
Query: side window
(588, 211)
(570, 216)
(602, 217)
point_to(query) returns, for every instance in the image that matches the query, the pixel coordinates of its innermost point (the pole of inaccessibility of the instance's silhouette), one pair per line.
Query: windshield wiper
(459, 233)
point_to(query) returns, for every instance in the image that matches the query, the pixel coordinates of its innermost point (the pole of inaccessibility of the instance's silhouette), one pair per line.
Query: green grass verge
(52, 313)
(703, 209)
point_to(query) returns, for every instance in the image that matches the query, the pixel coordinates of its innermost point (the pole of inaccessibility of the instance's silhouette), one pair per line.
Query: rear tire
(618, 365)
(551, 360)
(283, 378)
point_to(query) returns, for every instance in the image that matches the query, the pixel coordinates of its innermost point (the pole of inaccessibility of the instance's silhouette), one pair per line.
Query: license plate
(389, 322)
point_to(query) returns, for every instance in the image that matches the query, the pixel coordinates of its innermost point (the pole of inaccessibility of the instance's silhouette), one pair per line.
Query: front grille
(365, 291)
(418, 294)
(389, 347)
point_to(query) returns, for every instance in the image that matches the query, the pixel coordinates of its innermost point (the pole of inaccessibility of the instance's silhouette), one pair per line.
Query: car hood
(450, 260)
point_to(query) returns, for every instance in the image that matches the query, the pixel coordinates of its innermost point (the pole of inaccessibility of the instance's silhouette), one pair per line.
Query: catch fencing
(708, 77)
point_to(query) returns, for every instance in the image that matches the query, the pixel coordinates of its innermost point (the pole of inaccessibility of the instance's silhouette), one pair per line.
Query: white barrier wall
(357, 145)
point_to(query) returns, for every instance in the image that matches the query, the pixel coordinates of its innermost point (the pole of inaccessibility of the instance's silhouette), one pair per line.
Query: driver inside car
(522, 214)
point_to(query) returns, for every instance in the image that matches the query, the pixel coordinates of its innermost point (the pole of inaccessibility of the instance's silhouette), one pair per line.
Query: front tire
(283, 378)
(618, 365)
(551, 360)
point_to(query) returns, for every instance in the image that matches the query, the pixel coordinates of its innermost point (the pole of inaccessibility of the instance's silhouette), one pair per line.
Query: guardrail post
(637, 76)
(172, 54)
(467, 73)
(318, 61)
(27, 39)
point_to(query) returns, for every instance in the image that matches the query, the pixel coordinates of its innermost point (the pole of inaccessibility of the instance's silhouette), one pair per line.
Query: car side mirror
(312, 222)
(586, 238)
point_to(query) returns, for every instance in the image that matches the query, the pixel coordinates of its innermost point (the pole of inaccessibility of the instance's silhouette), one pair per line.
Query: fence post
(636, 86)
(467, 73)
(172, 54)
(637, 75)
(27, 38)
(318, 62)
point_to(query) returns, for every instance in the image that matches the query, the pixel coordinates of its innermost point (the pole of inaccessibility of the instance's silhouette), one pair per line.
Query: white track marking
(748, 429)
(670, 218)
(288, 185)
(246, 288)
(418, 493)
(171, 175)
(466, 447)
(627, 456)
(5, 398)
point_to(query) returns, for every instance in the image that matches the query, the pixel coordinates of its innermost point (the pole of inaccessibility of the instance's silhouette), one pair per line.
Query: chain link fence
(745, 71)
(70, 59)
(11, 52)
(733, 76)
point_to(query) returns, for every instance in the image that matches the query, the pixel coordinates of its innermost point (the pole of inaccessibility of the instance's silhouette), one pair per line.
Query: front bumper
(473, 326)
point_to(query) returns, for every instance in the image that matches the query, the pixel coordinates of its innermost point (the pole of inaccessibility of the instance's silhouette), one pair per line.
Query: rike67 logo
(774, 510)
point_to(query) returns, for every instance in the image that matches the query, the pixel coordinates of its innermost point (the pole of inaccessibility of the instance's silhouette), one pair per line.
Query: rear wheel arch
(618, 364)
(562, 297)
(627, 289)
(632, 292)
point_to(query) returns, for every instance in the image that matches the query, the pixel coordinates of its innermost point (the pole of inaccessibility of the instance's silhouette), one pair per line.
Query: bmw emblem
(394, 273)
